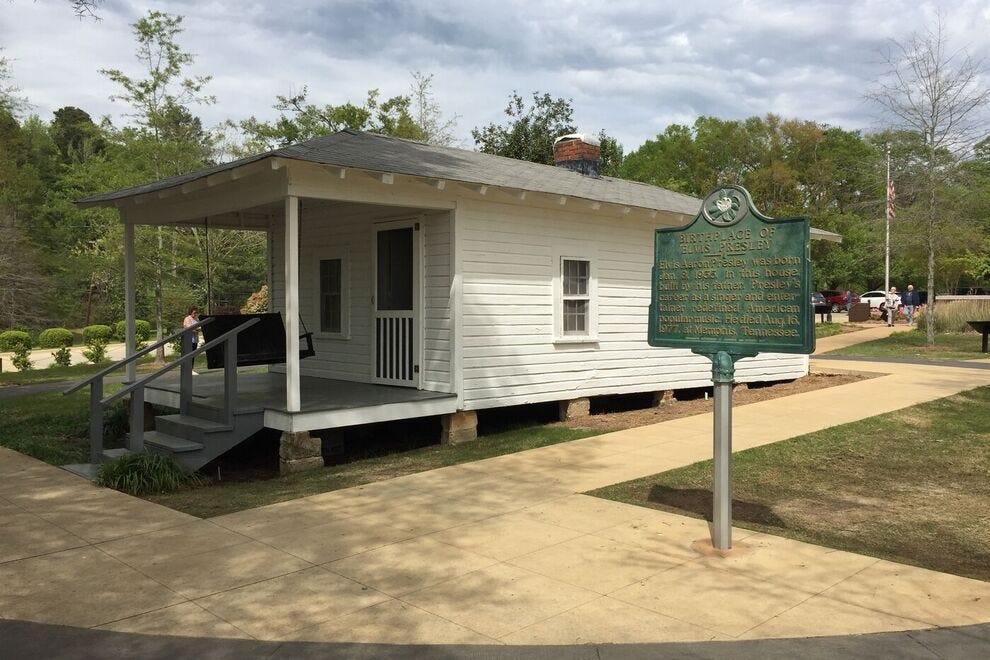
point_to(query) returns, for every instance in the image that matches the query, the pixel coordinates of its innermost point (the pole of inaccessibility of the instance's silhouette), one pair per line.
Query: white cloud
(631, 67)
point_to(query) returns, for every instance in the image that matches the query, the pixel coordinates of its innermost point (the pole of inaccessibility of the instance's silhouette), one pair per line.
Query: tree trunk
(930, 311)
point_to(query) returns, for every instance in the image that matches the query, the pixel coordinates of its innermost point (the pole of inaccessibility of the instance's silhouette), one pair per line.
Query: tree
(75, 135)
(937, 94)
(159, 108)
(415, 117)
(529, 132)
(10, 101)
(427, 114)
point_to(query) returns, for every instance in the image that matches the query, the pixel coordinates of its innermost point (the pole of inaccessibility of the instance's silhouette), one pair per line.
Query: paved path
(42, 357)
(501, 551)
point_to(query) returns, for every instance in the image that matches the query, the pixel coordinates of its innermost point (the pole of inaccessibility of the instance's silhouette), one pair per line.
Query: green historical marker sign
(729, 285)
(733, 280)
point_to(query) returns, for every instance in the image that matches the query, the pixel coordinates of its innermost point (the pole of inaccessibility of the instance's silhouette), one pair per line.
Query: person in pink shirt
(191, 320)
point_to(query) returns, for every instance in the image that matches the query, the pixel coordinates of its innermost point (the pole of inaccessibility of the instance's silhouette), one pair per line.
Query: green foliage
(55, 338)
(12, 340)
(62, 357)
(96, 350)
(529, 132)
(142, 330)
(143, 474)
(22, 359)
(97, 332)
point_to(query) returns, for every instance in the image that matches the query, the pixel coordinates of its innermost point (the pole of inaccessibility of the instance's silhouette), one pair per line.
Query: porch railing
(97, 401)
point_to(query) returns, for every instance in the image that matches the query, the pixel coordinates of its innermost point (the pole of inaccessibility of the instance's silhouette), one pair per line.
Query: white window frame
(591, 327)
(345, 295)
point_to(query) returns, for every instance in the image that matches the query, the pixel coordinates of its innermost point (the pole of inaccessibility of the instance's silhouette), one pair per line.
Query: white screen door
(395, 355)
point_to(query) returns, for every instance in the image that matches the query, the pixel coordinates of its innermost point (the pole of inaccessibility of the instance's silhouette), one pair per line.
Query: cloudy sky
(631, 67)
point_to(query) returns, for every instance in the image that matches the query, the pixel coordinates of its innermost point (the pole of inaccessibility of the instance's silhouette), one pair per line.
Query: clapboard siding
(510, 258)
(437, 275)
(346, 230)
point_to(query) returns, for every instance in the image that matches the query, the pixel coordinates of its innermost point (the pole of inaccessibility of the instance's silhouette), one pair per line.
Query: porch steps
(163, 443)
(195, 439)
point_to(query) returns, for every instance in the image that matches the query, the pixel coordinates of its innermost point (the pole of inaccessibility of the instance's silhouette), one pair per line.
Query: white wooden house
(438, 281)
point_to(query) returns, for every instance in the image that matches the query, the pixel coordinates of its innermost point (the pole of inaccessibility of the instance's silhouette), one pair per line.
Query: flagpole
(887, 209)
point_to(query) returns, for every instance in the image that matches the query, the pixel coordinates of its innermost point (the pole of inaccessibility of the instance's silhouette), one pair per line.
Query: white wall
(511, 255)
(345, 230)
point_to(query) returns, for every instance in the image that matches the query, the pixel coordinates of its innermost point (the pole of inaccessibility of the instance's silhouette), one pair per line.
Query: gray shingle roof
(381, 153)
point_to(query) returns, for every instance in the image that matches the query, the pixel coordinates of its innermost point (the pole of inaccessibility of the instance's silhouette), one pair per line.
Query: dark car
(819, 303)
(837, 299)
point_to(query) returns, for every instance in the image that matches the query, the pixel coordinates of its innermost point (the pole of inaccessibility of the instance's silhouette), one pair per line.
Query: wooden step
(170, 443)
(188, 426)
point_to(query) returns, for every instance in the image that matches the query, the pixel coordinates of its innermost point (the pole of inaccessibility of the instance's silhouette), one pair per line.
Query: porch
(324, 402)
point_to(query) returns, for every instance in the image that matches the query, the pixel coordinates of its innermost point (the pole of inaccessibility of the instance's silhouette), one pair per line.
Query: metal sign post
(731, 284)
(723, 372)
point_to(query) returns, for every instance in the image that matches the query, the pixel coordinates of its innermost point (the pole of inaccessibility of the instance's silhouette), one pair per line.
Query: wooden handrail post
(185, 375)
(135, 441)
(230, 377)
(96, 421)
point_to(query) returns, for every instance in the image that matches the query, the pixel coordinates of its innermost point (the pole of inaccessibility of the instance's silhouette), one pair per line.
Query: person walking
(892, 301)
(191, 320)
(910, 300)
(849, 300)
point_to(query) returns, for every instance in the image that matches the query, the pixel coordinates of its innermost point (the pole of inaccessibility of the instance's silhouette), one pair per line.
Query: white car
(875, 298)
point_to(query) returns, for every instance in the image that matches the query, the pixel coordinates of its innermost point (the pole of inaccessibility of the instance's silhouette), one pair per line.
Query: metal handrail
(131, 358)
(186, 357)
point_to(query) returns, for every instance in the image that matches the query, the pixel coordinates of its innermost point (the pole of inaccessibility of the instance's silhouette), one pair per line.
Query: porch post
(129, 286)
(292, 398)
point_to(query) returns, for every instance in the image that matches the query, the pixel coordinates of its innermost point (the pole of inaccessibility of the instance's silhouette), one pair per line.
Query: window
(575, 282)
(331, 301)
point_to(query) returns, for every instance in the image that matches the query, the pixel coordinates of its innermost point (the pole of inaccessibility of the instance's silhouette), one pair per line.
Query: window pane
(575, 277)
(575, 317)
(331, 295)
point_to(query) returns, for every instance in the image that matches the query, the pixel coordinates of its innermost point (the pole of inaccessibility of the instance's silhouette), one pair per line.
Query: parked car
(875, 298)
(837, 299)
(819, 303)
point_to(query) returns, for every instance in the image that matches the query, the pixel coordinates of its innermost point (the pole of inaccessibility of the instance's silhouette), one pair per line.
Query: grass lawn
(909, 486)
(219, 498)
(77, 372)
(55, 428)
(912, 344)
(827, 330)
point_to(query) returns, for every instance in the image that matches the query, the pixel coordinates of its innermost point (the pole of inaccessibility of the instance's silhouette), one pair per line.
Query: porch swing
(261, 344)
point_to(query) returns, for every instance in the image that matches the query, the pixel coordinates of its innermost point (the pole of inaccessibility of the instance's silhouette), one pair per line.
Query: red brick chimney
(578, 152)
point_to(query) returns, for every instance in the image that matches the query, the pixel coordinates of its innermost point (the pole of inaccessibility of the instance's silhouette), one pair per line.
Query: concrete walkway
(501, 551)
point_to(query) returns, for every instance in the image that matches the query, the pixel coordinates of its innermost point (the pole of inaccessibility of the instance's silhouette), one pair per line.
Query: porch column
(292, 398)
(129, 286)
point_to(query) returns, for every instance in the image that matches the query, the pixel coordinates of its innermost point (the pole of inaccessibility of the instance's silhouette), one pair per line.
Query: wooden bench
(262, 343)
(983, 327)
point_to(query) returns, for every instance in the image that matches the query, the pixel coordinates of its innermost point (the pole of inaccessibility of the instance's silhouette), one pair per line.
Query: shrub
(101, 332)
(55, 338)
(952, 316)
(141, 474)
(95, 351)
(62, 357)
(22, 359)
(12, 340)
(257, 301)
(142, 330)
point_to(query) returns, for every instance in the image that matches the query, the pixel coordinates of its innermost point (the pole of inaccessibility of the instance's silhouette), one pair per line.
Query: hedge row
(11, 340)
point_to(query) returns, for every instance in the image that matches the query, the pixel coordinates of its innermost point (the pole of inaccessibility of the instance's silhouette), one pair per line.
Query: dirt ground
(693, 402)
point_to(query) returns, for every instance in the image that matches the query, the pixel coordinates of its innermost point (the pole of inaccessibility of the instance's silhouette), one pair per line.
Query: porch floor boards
(266, 391)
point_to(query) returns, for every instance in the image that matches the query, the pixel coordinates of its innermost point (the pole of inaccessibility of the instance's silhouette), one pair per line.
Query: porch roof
(381, 153)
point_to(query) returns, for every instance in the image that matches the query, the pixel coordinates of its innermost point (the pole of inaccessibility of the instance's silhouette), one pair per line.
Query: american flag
(891, 195)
